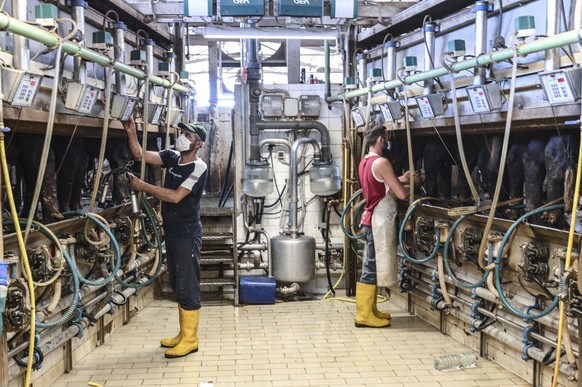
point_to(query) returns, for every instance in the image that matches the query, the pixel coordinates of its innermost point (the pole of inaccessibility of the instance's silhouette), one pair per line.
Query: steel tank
(293, 258)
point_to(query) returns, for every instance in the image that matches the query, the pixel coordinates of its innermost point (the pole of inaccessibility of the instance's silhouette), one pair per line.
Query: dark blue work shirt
(179, 217)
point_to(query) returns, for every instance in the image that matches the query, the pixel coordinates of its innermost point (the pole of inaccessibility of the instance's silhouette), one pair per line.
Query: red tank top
(373, 190)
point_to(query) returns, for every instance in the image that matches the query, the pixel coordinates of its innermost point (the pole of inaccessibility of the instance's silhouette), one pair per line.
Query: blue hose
(498, 284)
(114, 243)
(160, 252)
(458, 282)
(75, 273)
(346, 208)
(153, 223)
(401, 240)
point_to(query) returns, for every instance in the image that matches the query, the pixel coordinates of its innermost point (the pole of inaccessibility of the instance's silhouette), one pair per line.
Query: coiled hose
(401, 237)
(159, 246)
(114, 243)
(75, 273)
(345, 211)
(447, 247)
(498, 259)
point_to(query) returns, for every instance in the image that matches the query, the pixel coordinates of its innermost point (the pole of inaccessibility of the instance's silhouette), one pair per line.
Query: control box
(242, 8)
(299, 8)
(431, 105)
(485, 98)
(309, 106)
(122, 107)
(561, 86)
(271, 106)
(291, 107)
(20, 88)
(156, 111)
(81, 98)
(391, 111)
(197, 8)
(358, 117)
(174, 116)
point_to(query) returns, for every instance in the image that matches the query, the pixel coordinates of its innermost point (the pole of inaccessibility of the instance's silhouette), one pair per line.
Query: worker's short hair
(372, 134)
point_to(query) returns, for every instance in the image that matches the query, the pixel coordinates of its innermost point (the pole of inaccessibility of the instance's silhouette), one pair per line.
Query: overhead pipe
(362, 60)
(390, 62)
(554, 17)
(25, 30)
(21, 51)
(429, 30)
(119, 29)
(78, 14)
(481, 9)
(327, 68)
(293, 177)
(299, 125)
(253, 68)
(563, 39)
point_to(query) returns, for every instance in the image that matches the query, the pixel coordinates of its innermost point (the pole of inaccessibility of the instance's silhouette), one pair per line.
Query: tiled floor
(310, 343)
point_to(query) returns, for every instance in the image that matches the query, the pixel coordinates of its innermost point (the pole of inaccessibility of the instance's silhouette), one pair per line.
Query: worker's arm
(384, 170)
(164, 194)
(152, 157)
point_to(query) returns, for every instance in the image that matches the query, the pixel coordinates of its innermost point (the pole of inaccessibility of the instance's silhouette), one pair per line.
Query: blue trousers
(183, 259)
(369, 263)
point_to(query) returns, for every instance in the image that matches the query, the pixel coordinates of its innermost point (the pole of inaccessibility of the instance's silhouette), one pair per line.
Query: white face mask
(182, 143)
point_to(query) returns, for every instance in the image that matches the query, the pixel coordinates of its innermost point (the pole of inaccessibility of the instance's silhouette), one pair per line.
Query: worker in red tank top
(381, 188)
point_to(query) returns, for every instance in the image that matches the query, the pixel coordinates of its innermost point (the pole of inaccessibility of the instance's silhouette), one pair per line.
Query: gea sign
(300, 8)
(242, 7)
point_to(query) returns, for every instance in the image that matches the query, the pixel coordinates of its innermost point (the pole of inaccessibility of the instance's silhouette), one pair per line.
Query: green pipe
(566, 38)
(22, 28)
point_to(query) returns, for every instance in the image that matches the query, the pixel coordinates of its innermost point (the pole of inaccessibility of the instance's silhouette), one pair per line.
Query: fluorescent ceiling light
(266, 33)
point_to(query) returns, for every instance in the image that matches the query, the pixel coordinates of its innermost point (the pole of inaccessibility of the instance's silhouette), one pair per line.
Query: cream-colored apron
(385, 240)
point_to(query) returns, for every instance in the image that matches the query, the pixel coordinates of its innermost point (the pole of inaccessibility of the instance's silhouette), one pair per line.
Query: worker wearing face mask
(185, 178)
(381, 189)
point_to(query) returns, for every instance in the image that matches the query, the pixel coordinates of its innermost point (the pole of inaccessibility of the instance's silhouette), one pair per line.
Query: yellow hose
(24, 260)
(571, 236)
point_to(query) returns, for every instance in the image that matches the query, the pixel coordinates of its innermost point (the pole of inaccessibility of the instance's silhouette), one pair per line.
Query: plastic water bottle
(455, 361)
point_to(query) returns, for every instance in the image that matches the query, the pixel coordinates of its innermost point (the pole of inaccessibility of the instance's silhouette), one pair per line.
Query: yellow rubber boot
(173, 341)
(189, 329)
(377, 313)
(365, 300)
